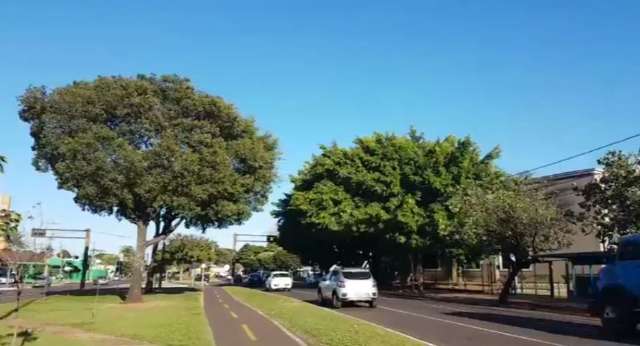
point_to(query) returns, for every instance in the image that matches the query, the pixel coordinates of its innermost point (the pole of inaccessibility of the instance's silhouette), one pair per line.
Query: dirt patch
(76, 334)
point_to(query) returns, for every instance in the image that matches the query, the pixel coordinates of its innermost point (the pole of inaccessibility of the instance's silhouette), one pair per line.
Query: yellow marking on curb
(225, 306)
(233, 314)
(249, 333)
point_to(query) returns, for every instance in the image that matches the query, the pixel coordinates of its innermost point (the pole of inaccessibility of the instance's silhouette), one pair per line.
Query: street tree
(515, 219)
(183, 250)
(611, 206)
(107, 258)
(3, 161)
(385, 192)
(270, 257)
(127, 257)
(223, 256)
(63, 253)
(151, 149)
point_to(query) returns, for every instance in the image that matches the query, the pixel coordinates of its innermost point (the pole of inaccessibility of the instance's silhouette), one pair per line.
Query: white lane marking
(457, 307)
(516, 312)
(470, 326)
(457, 323)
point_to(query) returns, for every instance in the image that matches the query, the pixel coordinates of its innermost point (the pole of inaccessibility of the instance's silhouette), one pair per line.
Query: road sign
(38, 233)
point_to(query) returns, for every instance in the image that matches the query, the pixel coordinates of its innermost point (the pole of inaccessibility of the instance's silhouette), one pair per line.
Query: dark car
(256, 280)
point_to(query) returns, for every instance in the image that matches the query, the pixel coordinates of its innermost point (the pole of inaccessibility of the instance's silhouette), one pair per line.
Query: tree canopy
(184, 249)
(385, 194)
(151, 149)
(513, 219)
(611, 205)
(270, 257)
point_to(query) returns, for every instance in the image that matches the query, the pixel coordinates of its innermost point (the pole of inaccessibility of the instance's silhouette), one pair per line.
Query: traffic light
(272, 239)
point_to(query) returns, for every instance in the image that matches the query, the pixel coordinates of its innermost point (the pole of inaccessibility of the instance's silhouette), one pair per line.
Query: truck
(617, 301)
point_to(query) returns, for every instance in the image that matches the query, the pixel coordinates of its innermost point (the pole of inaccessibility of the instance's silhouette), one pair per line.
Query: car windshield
(281, 275)
(356, 275)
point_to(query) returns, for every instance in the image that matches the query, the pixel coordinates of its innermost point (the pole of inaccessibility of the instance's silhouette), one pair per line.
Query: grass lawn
(316, 325)
(163, 319)
(37, 339)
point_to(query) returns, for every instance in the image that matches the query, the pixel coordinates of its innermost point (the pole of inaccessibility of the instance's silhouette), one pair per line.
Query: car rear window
(281, 275)
(360, 275)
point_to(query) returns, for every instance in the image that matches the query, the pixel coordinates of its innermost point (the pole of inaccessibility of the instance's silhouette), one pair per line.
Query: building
(556, 276)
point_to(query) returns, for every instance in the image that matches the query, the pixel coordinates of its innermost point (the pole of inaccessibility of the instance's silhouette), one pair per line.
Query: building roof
(581, 173)
(27, 256)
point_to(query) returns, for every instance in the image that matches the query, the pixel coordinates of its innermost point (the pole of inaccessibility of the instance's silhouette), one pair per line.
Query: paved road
(451, 324)
(234, 324)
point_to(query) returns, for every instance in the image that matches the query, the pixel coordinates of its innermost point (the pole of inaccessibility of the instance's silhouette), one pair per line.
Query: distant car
(198, 277)
(41, 281)
(101, 281)
(312, 280)
(255, 280)
(279, 281)
(348, 285)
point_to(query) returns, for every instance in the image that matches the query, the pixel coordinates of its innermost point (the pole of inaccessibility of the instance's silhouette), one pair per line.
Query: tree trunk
(504, 293)
(419, 271)
(148, 287)
(135, 284)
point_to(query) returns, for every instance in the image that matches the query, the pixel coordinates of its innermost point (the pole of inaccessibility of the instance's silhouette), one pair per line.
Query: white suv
(279, 281)
(348, 285)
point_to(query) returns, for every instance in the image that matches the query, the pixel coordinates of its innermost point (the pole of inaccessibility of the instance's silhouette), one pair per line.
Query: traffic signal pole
(85, 259)
(267, 239)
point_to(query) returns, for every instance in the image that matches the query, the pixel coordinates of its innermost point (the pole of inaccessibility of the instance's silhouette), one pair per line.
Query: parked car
(255, 280)
(101, 281)
(41, 281)
(617, 301)
(348, 285)
(279, 281)
(312, 280)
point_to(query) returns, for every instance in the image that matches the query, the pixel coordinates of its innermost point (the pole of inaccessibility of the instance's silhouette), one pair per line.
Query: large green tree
(151, 149)
(183, 250)
(385, 196)
(611, 205)
(270, 257)
(515, 219)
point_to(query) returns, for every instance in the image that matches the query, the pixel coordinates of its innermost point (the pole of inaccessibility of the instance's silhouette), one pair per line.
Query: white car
(279, 281)
(348, 285)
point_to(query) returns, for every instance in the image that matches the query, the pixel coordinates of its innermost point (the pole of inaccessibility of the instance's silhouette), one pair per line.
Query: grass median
(163, 319)
(316, 325)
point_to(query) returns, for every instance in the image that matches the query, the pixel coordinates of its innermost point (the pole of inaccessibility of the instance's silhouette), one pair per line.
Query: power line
(578, 155)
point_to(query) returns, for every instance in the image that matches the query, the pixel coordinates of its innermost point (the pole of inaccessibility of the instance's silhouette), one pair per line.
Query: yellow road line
(249, 332)
(233, 314)
(225, 306)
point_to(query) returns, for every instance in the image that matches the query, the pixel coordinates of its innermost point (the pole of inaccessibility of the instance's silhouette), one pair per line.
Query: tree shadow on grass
(120, 292)
(10, 312)
(552, 326)
(24, 337)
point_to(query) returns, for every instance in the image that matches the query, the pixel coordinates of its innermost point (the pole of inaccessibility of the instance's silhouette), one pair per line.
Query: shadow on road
(566, 328)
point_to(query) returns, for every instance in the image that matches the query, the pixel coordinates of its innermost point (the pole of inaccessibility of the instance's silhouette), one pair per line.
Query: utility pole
(85, 258)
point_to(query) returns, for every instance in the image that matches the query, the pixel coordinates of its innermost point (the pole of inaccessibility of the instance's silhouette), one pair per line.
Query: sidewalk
(525, 302)
(235, 324)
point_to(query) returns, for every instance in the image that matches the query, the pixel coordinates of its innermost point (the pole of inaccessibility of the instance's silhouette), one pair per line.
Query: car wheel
(373, 303)
(617, 320)
(335, 302)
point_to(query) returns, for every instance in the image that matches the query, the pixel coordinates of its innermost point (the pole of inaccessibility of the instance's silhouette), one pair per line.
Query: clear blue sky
(543, 79)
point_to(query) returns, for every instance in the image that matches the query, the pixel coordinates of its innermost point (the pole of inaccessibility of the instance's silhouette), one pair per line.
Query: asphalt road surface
(9, 296)
(452, 324)
(234, 324)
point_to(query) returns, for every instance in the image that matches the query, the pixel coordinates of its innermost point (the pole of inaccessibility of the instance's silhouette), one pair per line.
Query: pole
(233, 259)
(551, 288)
(85, 258)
